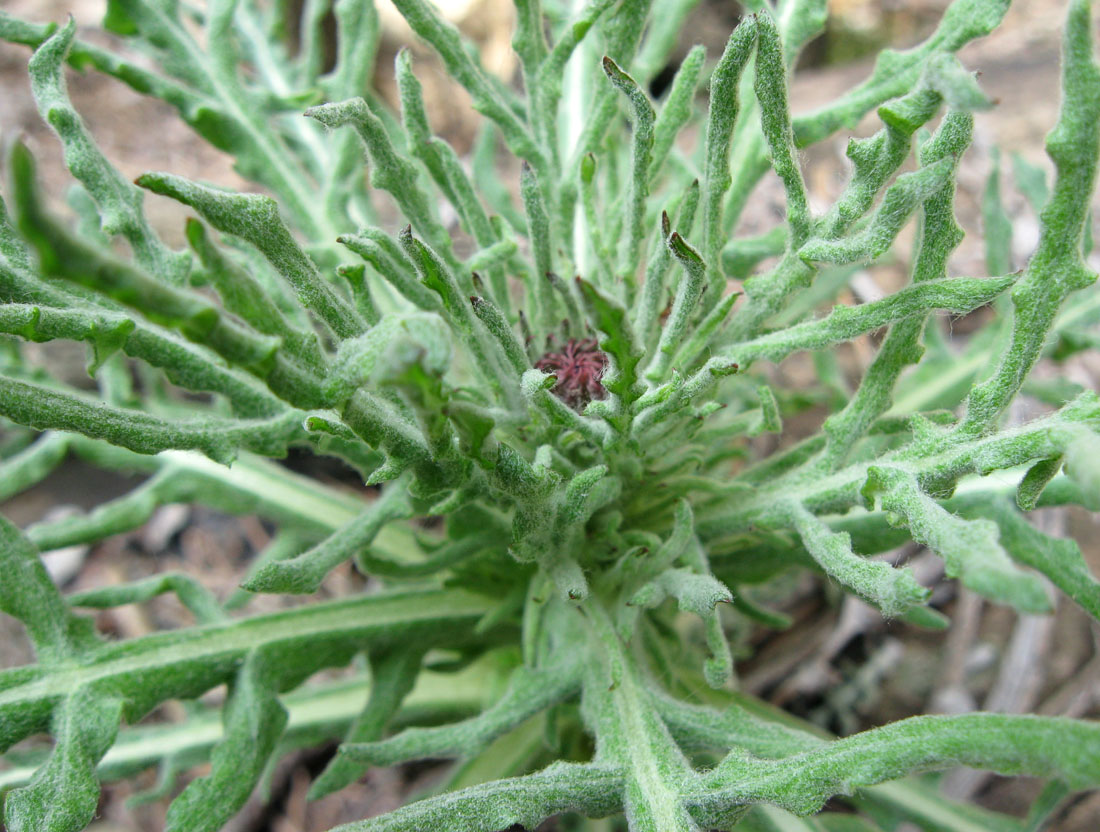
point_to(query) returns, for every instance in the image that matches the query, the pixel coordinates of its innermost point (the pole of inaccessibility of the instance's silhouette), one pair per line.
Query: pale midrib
(309, 709)
(662, 801)
(853, 475)
(306, 498)
(274, 159)
(215, 640)
(297, 496)
(272, 74)
(963, 367)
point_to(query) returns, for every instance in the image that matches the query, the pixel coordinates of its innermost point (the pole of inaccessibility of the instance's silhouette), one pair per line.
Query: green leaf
(688, 293)
(189, 662)
(694, 593)
(632, 733)
(630, 250)
(315, 711)
(193, 595)
(254, 722)
(119, 202)
(702, 335)
(106, 331)
(1043, 746)
(220, 439)
(393, 674)
(528, 692)
(390, 171)
(592, 790)
(388, 259)
(896, 72)
(487, 98)
(971, 550)
(443, 165)
(996, 225)
(770, 84)
(1057, 558)
(493, 319)
(1081, 449)
(721, 118)
(255, 219)
(649, 310)
(1031, 181)
(304, 573)
(32, 464)
(959, 88)
(940, 234)
(908, 192)
(540, 302)
(582, 495)
(698, 727)
(618, 341)
(372, 354)
(894, 591)
(28, 594)
(677, 109)
(770, 419)
(64, 793)
(1036, 479)
(489, 359)
(1057, 268)
(958, 294)
(243, 294)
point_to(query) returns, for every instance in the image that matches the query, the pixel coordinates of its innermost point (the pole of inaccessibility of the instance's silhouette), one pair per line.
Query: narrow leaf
(971, 550)
(893, 591)
(254, 721)
(64, 793)
(28, 594)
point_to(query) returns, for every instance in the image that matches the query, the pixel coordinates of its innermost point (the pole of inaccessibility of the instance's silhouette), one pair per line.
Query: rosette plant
(549, 385)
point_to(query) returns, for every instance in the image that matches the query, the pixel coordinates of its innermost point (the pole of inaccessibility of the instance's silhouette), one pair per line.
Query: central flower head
(579, 367)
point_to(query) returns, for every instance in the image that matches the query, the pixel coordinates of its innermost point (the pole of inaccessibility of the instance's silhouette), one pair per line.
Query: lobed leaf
(393, 674)
(1057, 268)
(255, 219)
(939, 236)
(391, 171)
(487, 99)
(958, 294)
(592, 790)
(304, 573)
(802, 783)
(63, 794)
(894, 591)
(971, 550)
(1058, 559)
(28, 594)
(528, 693)
(618, 341)
(119, 202)
(199, 601)
(254, 721)
(46, 408)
